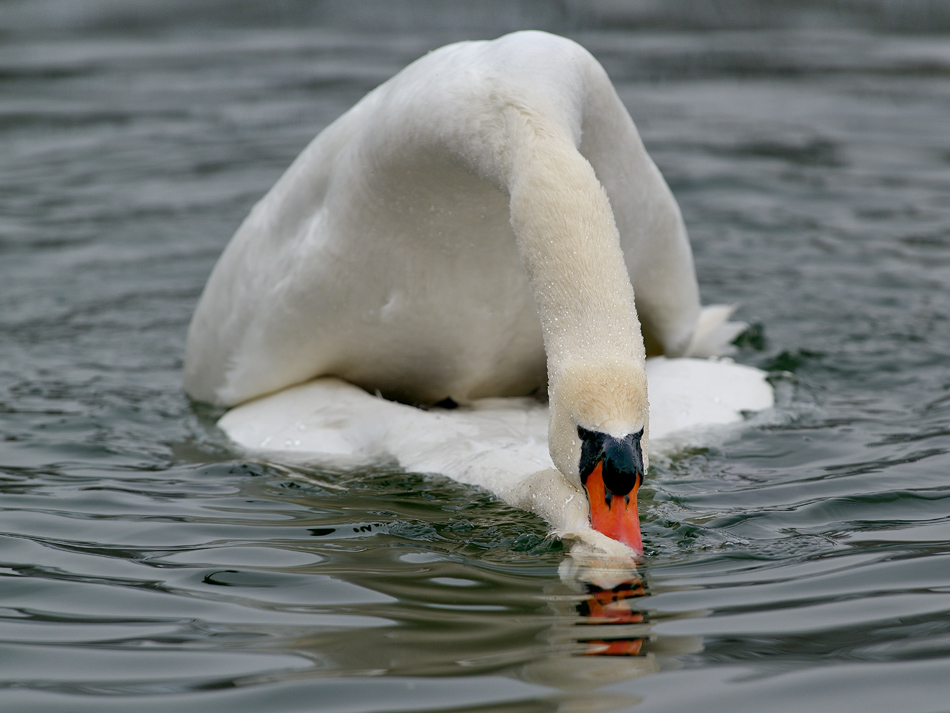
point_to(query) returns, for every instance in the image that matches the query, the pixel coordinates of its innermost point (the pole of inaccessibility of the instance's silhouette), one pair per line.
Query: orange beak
(614, 515)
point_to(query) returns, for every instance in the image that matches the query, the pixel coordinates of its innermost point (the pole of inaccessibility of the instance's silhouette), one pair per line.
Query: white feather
(484, 224)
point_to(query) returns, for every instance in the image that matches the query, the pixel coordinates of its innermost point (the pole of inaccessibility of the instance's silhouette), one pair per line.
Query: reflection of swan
(411, 249)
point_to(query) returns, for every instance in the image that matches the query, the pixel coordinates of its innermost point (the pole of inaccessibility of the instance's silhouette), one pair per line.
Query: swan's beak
(611, 471)
(614, 515)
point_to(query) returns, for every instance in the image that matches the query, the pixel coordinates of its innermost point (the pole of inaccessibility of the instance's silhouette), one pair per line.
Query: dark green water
(803, 565)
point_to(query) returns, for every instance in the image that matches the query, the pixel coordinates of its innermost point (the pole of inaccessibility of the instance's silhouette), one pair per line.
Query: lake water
(803, 564)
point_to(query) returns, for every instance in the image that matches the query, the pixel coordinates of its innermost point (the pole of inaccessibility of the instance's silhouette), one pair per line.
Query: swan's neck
(569, 243)
(570, 246)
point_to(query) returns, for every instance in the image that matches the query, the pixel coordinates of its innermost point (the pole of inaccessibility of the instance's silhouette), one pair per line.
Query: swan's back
(385, 254)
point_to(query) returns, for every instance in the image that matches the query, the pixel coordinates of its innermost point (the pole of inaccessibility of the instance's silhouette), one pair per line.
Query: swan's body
(414, 244)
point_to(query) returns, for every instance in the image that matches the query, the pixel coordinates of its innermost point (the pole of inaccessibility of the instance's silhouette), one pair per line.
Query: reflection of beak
(614, 515)
(614, 607)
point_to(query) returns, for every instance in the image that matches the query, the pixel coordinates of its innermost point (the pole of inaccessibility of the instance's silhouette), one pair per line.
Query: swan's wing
(700, 394)
(499, 445)
(494, 444)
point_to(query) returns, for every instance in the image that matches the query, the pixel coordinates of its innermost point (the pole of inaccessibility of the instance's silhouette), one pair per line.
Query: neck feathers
(570, 247)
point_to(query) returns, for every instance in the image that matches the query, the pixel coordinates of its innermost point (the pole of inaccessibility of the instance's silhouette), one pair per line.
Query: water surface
(802, 564)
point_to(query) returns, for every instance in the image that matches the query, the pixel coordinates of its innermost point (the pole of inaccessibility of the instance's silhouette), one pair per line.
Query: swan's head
(598, 437)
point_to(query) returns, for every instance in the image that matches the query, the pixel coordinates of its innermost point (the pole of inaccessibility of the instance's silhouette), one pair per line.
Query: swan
(484, 226)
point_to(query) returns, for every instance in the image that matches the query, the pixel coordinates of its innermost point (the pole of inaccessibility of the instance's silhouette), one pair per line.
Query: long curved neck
(570, 247)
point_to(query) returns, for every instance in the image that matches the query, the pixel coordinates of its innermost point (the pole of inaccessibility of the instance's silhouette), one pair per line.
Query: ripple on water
(145, 565)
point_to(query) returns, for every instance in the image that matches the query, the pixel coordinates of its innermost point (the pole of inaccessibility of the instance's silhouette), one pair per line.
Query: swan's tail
(714, 332)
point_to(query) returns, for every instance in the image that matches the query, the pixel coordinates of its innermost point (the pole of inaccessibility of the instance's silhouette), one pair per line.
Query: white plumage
(484, 224)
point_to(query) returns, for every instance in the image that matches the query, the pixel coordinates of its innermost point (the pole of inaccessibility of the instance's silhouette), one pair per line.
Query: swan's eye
(621, 460)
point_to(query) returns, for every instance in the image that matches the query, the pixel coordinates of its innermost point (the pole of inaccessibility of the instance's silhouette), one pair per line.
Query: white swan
(411, 249)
